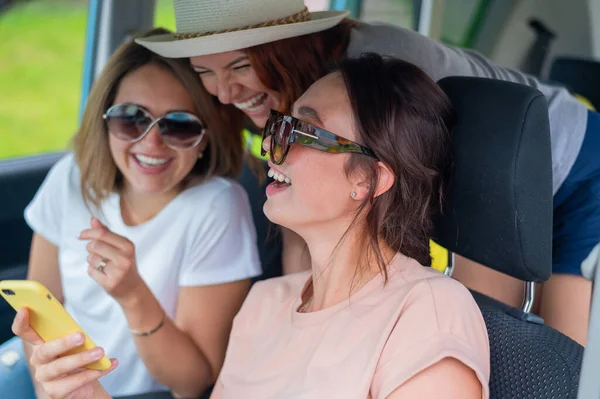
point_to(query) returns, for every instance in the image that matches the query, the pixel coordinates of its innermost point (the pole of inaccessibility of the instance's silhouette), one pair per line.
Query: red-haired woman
(263, 54)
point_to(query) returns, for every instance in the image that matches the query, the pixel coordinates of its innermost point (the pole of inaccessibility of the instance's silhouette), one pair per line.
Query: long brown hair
(100, 176)
(406, 119)
(290, 66)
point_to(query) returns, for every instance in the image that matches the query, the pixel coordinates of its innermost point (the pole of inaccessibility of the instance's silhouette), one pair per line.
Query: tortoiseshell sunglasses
(286, 130)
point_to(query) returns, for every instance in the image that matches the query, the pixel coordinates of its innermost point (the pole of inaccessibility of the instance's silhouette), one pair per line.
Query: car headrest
(498, 208)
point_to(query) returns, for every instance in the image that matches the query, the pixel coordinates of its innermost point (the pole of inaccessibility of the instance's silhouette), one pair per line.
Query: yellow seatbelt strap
(584, 101)
(439, 256)
(253, 143)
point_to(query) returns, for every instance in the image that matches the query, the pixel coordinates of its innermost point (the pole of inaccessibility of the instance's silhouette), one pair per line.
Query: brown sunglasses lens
(127, 122)
(179, 130)
(280, 139)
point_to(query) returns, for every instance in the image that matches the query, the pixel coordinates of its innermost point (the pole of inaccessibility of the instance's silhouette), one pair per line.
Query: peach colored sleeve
(217, 392)
(440, 319)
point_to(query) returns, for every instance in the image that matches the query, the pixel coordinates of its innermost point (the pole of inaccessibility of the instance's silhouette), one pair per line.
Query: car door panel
(19, 180)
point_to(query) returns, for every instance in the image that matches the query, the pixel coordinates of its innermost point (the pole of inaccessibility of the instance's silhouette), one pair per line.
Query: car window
(42, 50)
(164, 15)
(397, 12)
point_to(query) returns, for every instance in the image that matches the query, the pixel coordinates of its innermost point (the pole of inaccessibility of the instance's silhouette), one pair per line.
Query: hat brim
(168, 46)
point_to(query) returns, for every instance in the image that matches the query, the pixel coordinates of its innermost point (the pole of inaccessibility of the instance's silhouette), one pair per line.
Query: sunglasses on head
(285, 130)
(179, 130)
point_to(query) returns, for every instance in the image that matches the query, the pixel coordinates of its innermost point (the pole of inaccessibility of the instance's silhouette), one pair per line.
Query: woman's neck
(341, 267)
(139, 208)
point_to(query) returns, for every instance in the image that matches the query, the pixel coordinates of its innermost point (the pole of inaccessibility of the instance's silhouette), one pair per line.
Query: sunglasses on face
(130, 122)
(286, 130)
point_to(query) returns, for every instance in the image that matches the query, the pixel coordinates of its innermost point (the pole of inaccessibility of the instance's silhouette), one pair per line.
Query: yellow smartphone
(47, 316)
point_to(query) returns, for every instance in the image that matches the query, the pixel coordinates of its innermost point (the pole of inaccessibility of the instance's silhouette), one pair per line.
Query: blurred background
(42, 49)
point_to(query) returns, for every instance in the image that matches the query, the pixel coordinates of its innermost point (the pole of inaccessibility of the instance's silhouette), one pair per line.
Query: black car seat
(498, 212)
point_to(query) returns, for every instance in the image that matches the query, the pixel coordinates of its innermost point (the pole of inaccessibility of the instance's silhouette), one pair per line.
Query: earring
(200, 155)
(353, 194)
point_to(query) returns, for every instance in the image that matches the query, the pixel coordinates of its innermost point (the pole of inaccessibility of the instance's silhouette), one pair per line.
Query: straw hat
(215, 26)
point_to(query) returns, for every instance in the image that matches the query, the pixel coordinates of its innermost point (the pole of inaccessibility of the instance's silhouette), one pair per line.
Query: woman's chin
(259, 121)
(151, 188)
(260, 117)
(274, 213)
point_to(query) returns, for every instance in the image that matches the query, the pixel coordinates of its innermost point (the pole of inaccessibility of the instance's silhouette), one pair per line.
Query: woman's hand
(111, 261)
(62, 377)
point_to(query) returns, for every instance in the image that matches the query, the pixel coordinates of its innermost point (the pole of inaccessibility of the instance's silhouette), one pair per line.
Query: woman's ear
(386, 179)
(384, 182)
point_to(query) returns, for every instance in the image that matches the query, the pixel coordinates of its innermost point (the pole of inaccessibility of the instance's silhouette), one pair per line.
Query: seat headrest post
(528, 297)
(449, 270)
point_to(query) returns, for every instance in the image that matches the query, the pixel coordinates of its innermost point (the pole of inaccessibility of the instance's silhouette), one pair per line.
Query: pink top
(364, 347)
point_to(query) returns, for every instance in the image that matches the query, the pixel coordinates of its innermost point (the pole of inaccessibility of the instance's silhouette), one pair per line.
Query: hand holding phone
(47, 316)
(62, 376)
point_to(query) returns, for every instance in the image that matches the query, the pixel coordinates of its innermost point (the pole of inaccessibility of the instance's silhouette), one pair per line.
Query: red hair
(290, 66)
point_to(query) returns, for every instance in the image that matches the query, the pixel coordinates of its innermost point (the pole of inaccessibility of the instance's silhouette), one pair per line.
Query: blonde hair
(100, 176)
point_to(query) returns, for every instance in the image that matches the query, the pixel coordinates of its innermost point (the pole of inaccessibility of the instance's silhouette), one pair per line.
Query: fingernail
(96, 353)
(77, 338)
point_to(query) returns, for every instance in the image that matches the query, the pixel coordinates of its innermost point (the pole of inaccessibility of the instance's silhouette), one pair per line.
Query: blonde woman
(141, 232)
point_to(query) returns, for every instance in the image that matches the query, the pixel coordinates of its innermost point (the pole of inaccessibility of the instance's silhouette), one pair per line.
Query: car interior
(498, 211)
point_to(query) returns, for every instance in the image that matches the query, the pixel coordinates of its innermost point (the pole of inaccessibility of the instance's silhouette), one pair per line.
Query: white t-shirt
(204, 236)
